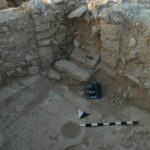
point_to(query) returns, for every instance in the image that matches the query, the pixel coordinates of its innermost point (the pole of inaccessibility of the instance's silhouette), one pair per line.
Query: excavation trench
(107, 48)
(50, 50)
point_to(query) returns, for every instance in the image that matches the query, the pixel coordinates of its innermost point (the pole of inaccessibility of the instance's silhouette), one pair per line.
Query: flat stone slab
(85, 57)
(78, 12)
(72, 70)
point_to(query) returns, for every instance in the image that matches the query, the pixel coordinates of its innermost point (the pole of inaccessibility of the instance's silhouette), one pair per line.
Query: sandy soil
(37, 113)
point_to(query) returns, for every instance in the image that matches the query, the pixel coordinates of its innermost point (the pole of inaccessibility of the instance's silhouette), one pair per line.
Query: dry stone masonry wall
(18, 50)
(124, 34)
(32, 36)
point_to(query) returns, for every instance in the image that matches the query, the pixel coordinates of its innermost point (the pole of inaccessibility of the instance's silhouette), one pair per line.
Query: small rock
(81, 93)
(132, 42)
(53, 74)
(78, 12)
(125, 95)
(76, 43)
(119, 90)
(44, 42)
(54, 136)
(5, 29)
(33, 70)
(95, 30)
(20, 72)
(29, 57)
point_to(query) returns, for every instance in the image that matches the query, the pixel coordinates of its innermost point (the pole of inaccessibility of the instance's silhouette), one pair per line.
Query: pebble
(132, 42)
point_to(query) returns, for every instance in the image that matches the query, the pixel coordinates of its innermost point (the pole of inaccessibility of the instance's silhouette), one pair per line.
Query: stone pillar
(110, 37)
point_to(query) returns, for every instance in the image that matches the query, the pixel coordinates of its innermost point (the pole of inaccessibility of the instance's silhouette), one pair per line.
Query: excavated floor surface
(41, 114)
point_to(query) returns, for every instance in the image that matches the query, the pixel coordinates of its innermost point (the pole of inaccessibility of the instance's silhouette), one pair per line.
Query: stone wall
(18, 50)
(123, 45)
(125, 54)
(33, 36)
(3, 4)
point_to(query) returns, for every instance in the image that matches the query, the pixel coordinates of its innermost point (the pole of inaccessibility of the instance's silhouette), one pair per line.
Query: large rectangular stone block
(72, 70)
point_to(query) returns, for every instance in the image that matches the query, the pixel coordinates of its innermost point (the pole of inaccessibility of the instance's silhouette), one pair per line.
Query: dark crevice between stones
(15, 3)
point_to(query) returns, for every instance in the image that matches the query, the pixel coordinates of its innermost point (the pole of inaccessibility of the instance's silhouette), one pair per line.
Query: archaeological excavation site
(74, 74)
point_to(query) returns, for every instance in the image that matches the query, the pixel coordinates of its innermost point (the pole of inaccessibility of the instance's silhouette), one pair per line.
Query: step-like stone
(72, 70)
(85, 58)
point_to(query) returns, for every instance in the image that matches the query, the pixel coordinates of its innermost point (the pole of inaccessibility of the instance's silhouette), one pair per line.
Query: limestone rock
(132, 42)
(95, 30)
(76, 42)
(53, 74)
(104, 15)
(72, 70)
(112, 46)
(84, 57)
(110, 31)
(33, 70)
(44, 42)
(78, 12)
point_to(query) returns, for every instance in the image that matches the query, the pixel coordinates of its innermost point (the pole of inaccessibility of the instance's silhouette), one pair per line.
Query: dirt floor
(40, 114)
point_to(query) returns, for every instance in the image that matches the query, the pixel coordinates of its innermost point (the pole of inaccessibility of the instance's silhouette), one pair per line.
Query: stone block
(33, 70)
(109, 59)
(44, 42)
(85, 58)
(72, 70)
(110, 30)
(112, 46)
(111, 37)
(53, 74)
(45, 35)
(78, 12)
(38, 19)
(60, 38)
(42, 27)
